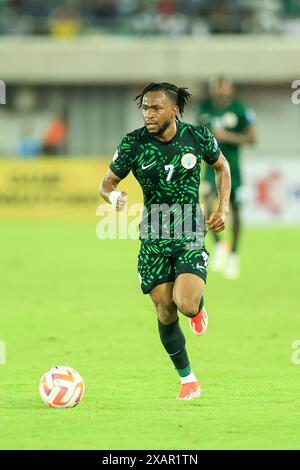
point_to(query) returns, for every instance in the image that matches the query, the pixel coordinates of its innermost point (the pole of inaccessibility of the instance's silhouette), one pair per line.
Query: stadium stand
(140, 17)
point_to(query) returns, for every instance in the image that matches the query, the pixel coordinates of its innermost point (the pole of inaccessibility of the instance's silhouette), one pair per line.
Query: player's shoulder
(134, 136)
(239, 105)
(196, 129)
(132, 140)
(199, 134)
(243, 110)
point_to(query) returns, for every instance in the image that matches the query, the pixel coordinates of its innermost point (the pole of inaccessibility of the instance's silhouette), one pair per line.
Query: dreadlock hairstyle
(180, 96)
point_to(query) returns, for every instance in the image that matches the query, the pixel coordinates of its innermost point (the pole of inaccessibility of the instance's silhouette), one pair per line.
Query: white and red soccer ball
(61, 387)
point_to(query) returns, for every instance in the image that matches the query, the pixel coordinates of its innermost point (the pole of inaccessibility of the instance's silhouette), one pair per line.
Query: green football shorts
(157, 269)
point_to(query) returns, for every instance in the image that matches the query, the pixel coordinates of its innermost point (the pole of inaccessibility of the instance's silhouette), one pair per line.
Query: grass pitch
(68, 298)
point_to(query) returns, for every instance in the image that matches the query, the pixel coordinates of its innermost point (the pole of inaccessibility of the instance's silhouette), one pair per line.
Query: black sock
(173, 341)
(234, 247)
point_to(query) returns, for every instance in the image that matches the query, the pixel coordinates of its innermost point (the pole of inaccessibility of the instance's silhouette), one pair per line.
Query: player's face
(222, 90)
(158, 112)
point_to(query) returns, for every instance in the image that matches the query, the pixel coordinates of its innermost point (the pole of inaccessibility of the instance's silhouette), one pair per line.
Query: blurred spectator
(105, 9)
(166, 7)
(167, 17)
(28, 145)
(55, 137)
(65, 22)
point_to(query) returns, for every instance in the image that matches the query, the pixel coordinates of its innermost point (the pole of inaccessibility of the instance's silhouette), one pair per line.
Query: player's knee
(188, 307)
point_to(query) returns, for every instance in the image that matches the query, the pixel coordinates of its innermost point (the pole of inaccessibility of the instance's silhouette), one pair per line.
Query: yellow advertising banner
(56, 188)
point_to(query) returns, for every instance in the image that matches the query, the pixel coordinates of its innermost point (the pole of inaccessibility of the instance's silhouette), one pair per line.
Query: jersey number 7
(170, 169)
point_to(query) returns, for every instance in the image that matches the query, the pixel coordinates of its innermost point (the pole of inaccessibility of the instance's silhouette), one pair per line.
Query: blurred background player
(232, 123)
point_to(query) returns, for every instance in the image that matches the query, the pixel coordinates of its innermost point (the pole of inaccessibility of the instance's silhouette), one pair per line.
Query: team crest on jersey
(230, 120)
(188, 161)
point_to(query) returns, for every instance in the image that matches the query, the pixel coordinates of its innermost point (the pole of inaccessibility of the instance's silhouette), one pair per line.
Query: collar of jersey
(168, 141)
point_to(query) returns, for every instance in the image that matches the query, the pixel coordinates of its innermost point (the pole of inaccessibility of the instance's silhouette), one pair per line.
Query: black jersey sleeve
(122, 160)
(209, 147)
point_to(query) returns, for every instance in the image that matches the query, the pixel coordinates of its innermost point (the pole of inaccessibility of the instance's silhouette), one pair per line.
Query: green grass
(68, 298)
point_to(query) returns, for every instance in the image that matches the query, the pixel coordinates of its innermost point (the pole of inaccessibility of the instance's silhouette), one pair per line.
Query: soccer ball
(61, 387)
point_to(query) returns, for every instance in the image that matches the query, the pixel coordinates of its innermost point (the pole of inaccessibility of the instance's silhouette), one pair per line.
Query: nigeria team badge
(188, 161)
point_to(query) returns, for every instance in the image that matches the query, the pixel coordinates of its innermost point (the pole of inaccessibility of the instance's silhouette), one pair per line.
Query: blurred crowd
(51, 143)
(68, 18)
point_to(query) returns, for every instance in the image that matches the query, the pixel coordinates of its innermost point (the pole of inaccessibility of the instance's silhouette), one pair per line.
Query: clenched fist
(216, 222)
(121, 202)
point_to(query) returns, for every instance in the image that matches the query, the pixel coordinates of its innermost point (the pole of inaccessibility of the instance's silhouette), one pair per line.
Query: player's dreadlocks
(180, 96)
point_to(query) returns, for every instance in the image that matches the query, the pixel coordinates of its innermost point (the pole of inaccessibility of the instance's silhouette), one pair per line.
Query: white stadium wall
(94, 79)
(123, 60)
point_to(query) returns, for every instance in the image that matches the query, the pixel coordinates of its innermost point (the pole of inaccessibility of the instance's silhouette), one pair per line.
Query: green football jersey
(234, 117)
(169, 174)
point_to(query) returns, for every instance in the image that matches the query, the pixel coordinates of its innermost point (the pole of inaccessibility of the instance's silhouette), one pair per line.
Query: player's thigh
(162, 293)
(209, 182)
(210, 202)
(235, 201)
(190, 278)
(236, 185)
(235, 211)
(162, 297)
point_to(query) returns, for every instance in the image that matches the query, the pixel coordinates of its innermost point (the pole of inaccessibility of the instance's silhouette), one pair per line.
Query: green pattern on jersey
(169, 173)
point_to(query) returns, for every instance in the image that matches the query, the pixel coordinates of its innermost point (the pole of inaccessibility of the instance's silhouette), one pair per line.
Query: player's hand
(216, 222)
(121, 203)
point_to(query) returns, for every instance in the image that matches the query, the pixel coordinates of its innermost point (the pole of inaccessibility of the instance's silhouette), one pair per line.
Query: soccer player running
(165, 157)
(232, 124)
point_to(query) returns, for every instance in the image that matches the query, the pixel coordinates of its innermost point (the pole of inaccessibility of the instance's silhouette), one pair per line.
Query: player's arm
(217, 220)
(236, 138)
(118, 169)
(108, 190)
